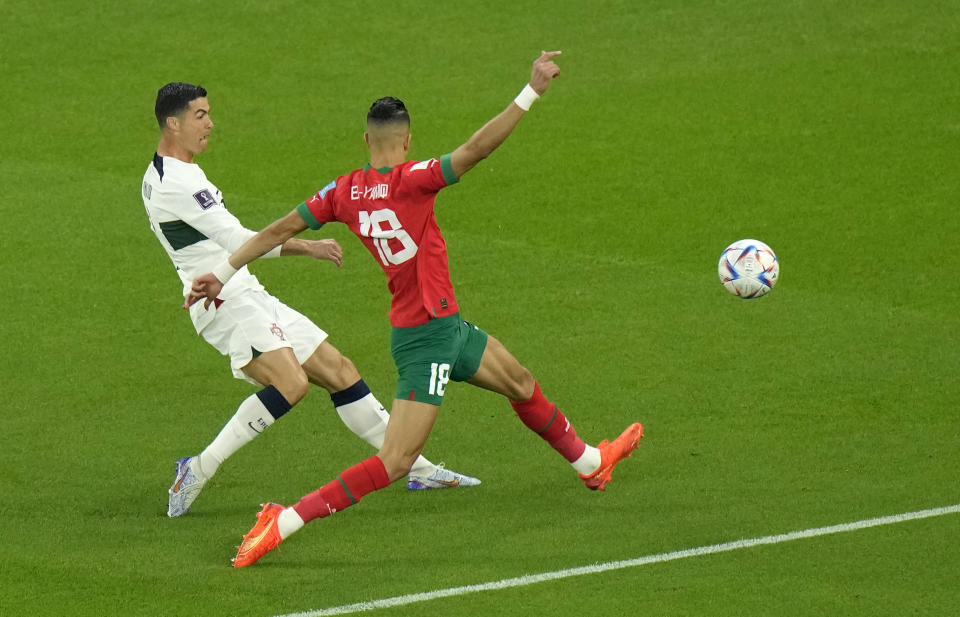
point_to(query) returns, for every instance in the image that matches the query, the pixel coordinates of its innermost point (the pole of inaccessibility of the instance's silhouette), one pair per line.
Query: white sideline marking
(531, 579)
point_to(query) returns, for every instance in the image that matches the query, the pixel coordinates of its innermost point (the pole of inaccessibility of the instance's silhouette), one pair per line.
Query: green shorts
(428, 356)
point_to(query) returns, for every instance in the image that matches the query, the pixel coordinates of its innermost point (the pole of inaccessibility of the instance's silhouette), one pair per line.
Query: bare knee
(279, 368)
(521, 384)
(398, 456)
(518, 382)
(500, 372)
(293, 386)
(348, 373)
(330, 369)
(338, 374)
(397, 464)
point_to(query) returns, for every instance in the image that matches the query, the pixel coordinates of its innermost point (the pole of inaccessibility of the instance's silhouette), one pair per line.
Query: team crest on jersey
(205, 199)
(277, 331)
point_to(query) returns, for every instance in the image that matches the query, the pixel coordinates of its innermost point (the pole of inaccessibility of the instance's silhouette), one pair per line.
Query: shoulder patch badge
(322, 193)
(205, 199)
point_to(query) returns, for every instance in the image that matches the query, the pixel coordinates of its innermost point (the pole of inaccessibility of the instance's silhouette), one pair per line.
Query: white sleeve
(206, 213)
(218, 224)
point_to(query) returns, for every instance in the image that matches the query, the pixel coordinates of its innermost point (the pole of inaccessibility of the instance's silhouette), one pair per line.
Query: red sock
(349, 487)
(545, 419)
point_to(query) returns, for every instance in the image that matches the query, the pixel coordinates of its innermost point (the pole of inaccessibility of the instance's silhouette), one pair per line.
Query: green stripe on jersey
(180, 235)
(446, 166)
(308, 217)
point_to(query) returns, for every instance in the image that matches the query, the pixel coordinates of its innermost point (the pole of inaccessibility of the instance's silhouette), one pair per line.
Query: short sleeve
(431, 175)
(446, 167)
(318, 208)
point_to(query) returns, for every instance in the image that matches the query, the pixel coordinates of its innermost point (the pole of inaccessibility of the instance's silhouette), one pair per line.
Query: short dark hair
(174, 98)
(388, 110)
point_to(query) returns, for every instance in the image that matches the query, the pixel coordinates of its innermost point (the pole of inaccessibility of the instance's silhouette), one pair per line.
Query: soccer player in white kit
(269, 343)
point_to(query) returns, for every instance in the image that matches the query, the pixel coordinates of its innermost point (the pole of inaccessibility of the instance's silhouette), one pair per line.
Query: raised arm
(494, 132)
(276, 233)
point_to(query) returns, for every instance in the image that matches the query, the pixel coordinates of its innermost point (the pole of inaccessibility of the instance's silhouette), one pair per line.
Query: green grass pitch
(587, 243)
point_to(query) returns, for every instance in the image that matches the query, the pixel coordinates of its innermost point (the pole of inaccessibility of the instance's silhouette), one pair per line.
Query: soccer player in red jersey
(389, 205)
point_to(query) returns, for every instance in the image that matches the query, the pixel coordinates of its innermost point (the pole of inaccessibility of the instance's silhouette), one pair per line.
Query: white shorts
(248, 325)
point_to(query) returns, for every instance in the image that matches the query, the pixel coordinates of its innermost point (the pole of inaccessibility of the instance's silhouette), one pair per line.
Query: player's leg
(407, 432)
(363, 414)
(240, 329)
(500, 372)
(281, 369)
(284, 386)
(410, 425)
(423, 355)
(329, 369)
(356, 405)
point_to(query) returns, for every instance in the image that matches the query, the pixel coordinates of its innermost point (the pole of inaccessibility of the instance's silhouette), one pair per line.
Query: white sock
(367, 418)
(288, 522)
(251, 419)
(588, 462)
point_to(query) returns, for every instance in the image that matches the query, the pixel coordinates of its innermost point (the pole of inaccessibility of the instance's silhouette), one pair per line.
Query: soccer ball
(748, 268)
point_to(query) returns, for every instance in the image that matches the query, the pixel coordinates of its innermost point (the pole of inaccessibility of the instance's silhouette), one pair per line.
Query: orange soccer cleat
(611, 454)
(263, 538)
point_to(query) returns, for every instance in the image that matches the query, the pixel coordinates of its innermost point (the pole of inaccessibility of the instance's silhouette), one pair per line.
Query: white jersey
(188, 216)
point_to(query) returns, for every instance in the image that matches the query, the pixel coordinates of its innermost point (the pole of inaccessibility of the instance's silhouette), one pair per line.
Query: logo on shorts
(277, 331)
(205, 199)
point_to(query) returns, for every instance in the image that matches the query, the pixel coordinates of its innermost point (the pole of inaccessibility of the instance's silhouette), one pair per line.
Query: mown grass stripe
(532, 579)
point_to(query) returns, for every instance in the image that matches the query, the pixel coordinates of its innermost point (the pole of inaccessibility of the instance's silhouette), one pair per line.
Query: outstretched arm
(209, 285)
(494, 132)
(326, 249)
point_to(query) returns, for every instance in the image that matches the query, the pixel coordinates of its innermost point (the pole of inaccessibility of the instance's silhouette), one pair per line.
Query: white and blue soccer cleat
(440, 478)
(186, 486)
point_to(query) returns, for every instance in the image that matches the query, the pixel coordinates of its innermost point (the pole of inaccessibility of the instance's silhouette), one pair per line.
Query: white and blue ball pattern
(748, 268)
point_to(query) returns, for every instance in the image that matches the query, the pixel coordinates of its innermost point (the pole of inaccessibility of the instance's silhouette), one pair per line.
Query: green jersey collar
(381, 170)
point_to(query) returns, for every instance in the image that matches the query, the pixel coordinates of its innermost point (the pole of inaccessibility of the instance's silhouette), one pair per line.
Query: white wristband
(224, 271)
(526, 97)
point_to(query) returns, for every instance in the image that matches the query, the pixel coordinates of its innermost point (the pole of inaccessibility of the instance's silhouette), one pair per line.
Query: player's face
(195, 126)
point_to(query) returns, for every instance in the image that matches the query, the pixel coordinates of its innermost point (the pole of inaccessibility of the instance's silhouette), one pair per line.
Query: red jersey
(391, 211)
